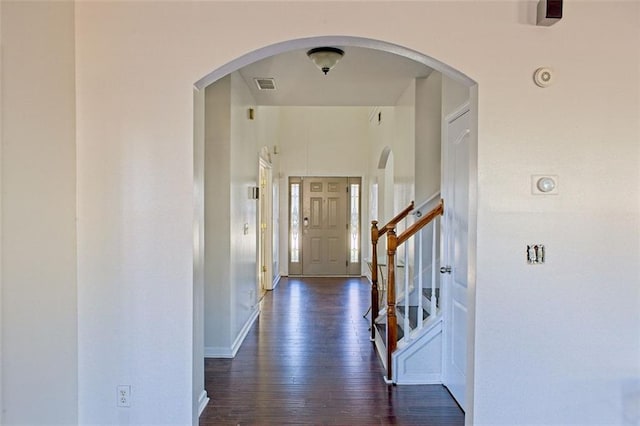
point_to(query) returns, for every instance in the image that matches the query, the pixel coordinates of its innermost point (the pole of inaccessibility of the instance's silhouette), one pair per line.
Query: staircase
(407, 330)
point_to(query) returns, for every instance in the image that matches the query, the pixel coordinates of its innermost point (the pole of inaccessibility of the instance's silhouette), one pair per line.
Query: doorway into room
(318, 251)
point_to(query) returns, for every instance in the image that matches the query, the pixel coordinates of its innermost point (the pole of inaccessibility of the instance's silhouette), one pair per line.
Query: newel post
(392, 320)
(375, 309)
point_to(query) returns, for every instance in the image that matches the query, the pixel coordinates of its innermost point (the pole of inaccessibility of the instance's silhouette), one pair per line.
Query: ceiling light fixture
(325, 58)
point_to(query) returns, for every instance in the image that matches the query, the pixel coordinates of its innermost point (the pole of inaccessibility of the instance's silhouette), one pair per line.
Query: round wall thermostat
(543, 77)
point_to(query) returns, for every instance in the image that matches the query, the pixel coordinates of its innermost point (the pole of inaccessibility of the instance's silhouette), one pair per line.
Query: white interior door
(265, 233)
(455, 251)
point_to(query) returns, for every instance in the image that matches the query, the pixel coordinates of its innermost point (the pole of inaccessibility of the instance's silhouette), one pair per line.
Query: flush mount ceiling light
(325, 58)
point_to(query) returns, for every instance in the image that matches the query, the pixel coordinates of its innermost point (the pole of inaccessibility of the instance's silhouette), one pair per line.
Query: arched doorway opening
(201, 103)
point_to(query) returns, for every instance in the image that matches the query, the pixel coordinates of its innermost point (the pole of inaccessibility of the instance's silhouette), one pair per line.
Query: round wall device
(546, 184)
(543, 77)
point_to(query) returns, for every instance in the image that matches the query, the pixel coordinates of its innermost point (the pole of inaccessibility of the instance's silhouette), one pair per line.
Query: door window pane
(354, 227)
(295, 222)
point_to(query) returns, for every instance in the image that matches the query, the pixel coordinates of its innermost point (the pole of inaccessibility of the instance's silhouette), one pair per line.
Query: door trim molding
(352, 269)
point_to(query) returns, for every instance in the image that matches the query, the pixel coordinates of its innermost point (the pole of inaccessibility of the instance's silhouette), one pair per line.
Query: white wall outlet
(124, 396)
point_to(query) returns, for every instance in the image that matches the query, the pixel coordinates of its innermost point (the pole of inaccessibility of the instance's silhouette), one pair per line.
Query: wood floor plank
(308, 361)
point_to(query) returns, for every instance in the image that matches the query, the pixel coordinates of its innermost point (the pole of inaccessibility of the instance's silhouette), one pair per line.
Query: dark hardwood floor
(308, 360)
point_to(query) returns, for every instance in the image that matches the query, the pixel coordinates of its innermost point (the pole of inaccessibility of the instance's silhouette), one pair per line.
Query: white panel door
(455, 251)
(324, 226)
(265, 234)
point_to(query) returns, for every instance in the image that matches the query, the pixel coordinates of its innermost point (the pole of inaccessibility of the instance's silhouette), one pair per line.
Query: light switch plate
(535, 254)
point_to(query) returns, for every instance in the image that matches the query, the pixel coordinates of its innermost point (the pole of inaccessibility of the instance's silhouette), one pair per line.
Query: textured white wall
(197, 387)
(217, 213)
(1, 245)
(381, 136)
(569, 352)
(454, 96)
(244, 175)
(404, 152)
(319, 141)
(427, 145)
(397, 131)
(231, 168)
(39, 286)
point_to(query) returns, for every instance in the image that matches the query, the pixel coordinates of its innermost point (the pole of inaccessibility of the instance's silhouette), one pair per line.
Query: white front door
(455, 251)
(324, 226)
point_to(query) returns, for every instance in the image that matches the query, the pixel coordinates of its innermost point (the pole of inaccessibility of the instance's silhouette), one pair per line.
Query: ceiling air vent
(265, 83)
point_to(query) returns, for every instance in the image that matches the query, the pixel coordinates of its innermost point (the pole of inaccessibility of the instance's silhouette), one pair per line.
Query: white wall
(231, 167)
(428, 128)
(573, 353)
(396, 130)
(1, 257)
(218, 285)
(39, 285)
(320, 141)
(135, 208)
(404, 149)
(454, 96)
(570, 352)
(245, 146)
(197, 387)
(380, 133)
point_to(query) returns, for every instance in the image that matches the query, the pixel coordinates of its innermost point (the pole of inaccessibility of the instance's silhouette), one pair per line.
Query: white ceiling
(364, 77)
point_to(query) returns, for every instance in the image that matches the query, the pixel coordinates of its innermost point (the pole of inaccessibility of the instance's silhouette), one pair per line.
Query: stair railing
(393, 242)
(375, 236)
(419, 275)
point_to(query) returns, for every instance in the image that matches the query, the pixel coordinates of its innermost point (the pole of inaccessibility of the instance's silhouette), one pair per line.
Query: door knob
(445, 269)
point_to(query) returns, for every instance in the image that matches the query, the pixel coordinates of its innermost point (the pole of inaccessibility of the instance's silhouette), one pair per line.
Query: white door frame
(265, 236)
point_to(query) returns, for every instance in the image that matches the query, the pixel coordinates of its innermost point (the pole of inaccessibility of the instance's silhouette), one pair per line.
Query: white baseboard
(245, 330)
(426, 379)
(203, 400)
(226, 352)
(275, 282)
(217, 352)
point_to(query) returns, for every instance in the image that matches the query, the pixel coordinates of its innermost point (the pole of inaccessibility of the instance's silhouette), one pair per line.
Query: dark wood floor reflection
(308, 360)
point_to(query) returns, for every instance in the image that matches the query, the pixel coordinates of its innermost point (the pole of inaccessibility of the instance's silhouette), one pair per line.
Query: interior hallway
(308, 360)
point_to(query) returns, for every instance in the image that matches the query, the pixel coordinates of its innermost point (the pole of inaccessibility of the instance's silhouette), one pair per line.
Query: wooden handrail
(393, 242)
(421, 223)
(397, 218)
(375, 236)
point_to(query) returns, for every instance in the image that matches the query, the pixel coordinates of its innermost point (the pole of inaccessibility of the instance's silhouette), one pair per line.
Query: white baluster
(420, 280)
(406, 291)
(434, 259)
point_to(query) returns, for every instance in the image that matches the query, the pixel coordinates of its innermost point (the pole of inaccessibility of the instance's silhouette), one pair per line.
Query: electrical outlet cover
(124, 396)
